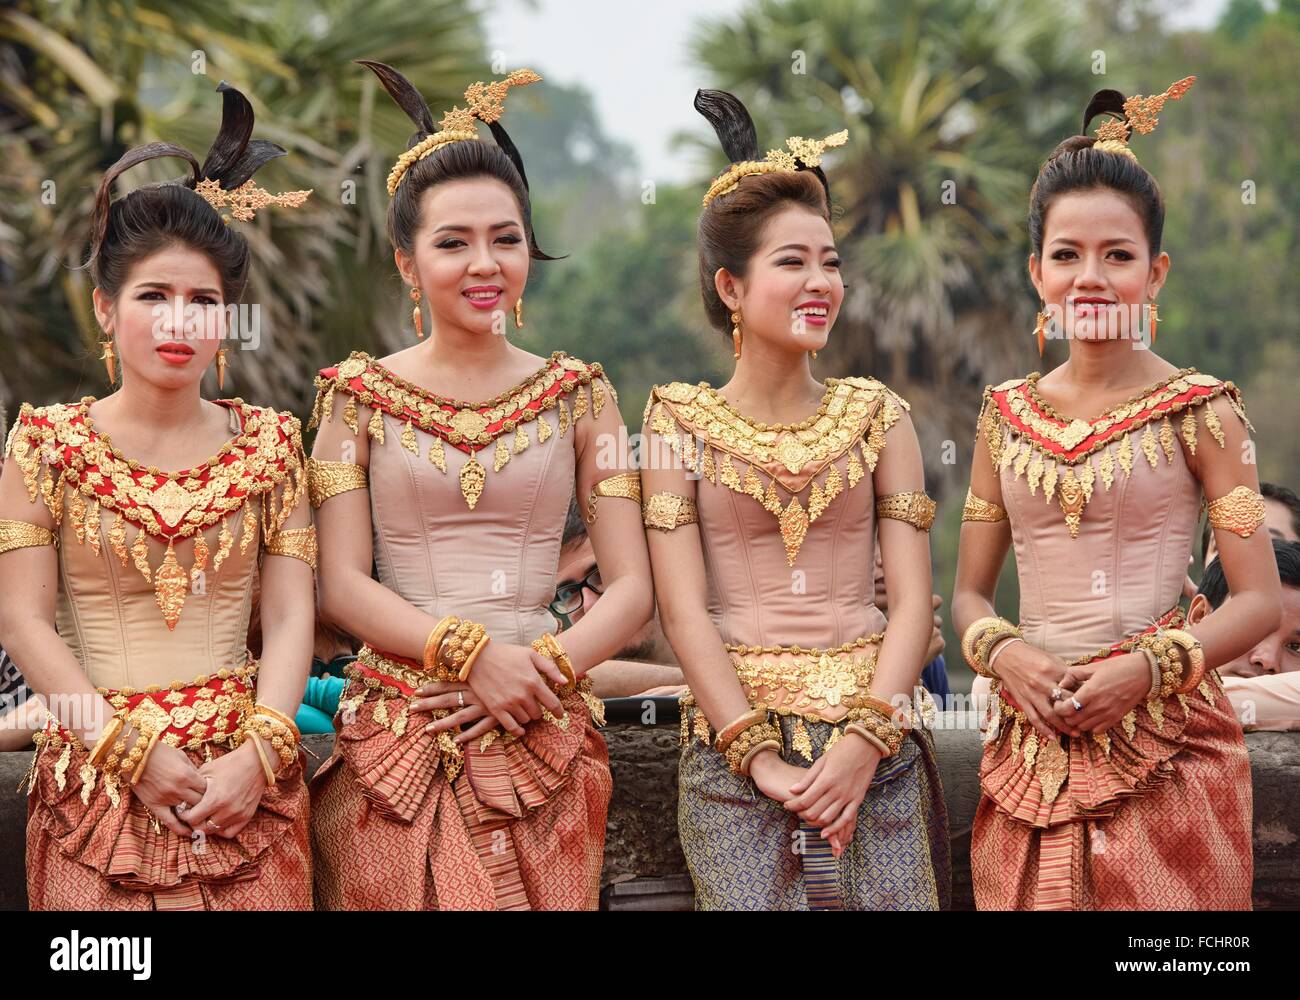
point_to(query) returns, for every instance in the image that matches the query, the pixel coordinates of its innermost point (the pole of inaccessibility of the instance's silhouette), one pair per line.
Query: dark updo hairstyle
(731, 225)
(152, 218)
(452, 162)
(1076, 166)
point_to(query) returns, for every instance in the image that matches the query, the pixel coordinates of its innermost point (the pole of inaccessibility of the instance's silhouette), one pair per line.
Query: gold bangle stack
(1164, 645)
(727, 735)
(277, 729)
(877, 728)
(106, 739)
(981, 637)
(150, 720)
(452, 647)
(549, 646)
(749, 742)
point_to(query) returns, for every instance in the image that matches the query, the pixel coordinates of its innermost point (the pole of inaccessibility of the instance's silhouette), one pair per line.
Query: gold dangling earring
(1040, 330)
(735, 333)
(519, 313)
(221, 370)
(109, 357)
(814, 354)
(416, 319)
(1153, 320)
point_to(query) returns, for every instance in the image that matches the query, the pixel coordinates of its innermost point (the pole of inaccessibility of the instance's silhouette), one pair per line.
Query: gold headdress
(807, 151)
(1139, 116)
(485, 102)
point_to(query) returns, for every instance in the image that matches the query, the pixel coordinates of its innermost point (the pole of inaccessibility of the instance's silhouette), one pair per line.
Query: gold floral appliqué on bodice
(167, 506)
(709, 436)
(470, 426)
(1067, 456)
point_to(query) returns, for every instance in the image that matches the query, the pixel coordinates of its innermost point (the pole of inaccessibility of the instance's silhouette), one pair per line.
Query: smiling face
(168, 318)
(792, 289)
(470, 258)
(1096, 269)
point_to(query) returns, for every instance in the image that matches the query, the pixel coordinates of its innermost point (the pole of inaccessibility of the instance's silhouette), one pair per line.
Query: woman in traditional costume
(152, 787)
(765, 498)
(1115, 775)
(468, 772)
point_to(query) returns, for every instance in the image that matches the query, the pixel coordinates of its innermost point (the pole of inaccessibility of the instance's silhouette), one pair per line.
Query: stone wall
(644, 867)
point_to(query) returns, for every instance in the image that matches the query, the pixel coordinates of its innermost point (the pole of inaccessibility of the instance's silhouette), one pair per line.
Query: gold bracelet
(23, 535)
(879, 725)
(274, 732)
(748, 743)
(979, 639)
(1195, 659)
(914, 506)
(434, 642)
(549, 646)
(106, 738)
(667, 511)
(456, 647)
(626, 485)
(872, 738)
(887, 711)
(978, 509)
(469, 660)
(144, 761)
(267, 770)
(298, 543)
(754, 717)
(1154, 663)
(1240, 511)
(261, 708)
(329, 479)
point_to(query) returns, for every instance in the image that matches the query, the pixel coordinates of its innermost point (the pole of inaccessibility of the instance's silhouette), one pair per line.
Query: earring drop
(221, 370)
(416, 319)
(1153, 320)
(519, 313)
(735, 333)
(1040, 331)
(109, 357)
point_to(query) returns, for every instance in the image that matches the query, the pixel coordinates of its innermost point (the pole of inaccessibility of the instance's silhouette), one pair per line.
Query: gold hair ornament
(1140, 115)
(247, 199)
(485, 102)
(809, 151)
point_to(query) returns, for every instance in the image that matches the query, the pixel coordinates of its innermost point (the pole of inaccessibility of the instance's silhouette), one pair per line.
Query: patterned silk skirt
(747, 852)
(92, 845)
(405, 820)
(1154, 814)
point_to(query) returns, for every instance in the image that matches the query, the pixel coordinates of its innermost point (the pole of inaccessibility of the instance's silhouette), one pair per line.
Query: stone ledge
(644, 867)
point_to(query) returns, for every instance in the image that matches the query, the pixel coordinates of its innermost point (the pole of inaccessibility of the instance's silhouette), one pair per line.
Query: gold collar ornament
(485, 103)
(807, 151)
(1140, 115)
(706, 432)
(1066, 456)
(168, 506)
(560, 384)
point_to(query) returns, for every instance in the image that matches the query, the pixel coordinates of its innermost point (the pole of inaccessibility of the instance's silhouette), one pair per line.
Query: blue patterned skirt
(746, 852)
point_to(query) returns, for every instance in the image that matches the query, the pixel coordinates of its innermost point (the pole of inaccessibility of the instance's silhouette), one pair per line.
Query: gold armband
(328, 479)
(667, 511)
(1241, 511)
(625, 484)
(300, 543)
(549, 646)
(914, 507)
(978, 509)
(23, 535)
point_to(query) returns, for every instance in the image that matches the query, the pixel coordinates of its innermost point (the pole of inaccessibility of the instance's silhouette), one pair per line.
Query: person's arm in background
(1270, 702)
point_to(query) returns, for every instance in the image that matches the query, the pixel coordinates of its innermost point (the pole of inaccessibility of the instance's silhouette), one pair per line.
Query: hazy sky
(633, 57)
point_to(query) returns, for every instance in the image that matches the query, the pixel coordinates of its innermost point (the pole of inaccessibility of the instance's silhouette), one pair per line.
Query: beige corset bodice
(468, 500)
(157, 569)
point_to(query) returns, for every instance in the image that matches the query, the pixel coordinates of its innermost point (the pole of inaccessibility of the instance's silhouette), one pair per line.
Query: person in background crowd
(1264, 682)
(646, 665)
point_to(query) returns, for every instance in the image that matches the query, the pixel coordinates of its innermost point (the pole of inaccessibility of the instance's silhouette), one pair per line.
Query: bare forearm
(364, 608)
(625, 678)
(902, 652)
(286, 661)
(1226, 635)
(53, 672)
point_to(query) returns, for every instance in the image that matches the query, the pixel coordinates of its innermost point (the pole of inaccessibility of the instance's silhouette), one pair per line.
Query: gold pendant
(437, 455)
(794, 528)
(224, 541)
(1053, 768)
(472, 478)
(140, 553)
(200, 557)
(92, 526)
(169, 586)
(117, 539)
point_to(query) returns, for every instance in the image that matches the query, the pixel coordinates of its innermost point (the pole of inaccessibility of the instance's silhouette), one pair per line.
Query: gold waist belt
(818, 683)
